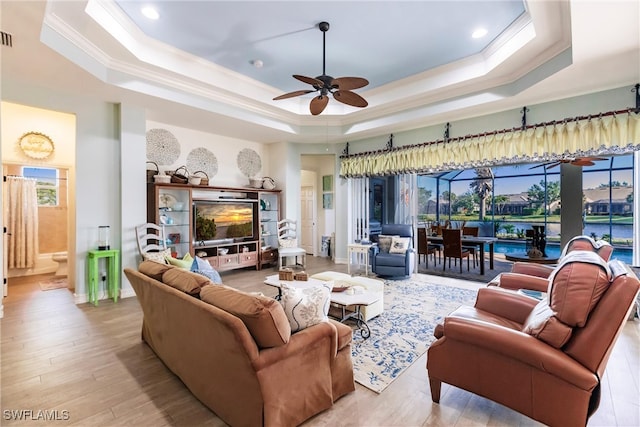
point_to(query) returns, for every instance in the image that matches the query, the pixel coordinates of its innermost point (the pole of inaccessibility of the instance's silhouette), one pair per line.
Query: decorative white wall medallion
(36, 145)
(201, 159)
(249, 162)
(162, 147)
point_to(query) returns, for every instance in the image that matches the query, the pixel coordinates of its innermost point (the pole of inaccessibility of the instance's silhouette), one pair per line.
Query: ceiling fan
(577, 161)
(340, 87)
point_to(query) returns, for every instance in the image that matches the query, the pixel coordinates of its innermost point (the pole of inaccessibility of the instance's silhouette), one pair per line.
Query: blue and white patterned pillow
(305, 307)
(203, 267)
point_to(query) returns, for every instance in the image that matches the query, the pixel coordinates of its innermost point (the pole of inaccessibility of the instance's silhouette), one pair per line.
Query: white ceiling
(553, 50)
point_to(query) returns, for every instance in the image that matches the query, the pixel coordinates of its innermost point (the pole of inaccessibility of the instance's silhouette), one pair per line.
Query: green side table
(112, 257)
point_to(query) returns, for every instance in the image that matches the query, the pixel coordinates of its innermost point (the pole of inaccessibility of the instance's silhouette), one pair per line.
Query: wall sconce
(103, 237)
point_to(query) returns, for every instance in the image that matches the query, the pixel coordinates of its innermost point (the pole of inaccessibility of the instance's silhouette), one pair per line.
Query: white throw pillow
(399, 245)
(305, 307)
(157, 256)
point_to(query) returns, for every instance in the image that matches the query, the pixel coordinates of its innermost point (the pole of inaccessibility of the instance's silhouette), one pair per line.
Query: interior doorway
(308, 219)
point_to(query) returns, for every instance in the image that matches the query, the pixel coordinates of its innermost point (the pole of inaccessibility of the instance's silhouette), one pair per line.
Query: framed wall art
(327, 201)
(327, 183)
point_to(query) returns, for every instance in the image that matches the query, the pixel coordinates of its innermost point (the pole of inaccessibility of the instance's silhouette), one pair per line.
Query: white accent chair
(150, 238)
(288, 244)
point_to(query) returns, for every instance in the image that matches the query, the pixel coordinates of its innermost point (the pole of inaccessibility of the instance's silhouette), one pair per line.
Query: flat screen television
(223, 221)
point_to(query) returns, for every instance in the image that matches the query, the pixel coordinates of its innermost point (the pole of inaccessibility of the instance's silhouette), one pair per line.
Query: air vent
(7, 39)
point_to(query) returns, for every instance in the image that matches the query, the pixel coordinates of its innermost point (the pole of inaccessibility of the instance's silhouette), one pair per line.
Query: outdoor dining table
(477, 241)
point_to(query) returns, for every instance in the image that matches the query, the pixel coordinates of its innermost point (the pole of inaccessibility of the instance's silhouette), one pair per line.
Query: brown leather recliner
(543, 359)
(527, 275)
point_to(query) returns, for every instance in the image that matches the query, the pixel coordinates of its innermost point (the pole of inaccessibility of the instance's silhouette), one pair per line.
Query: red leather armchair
(543, 359)
(527, 275)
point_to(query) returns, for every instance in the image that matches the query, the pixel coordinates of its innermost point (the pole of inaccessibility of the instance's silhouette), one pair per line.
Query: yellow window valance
(605, 134)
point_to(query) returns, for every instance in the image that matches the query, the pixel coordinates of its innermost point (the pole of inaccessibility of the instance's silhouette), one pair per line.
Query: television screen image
(221, 220)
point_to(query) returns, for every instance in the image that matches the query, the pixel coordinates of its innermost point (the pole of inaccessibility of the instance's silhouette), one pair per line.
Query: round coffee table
(523, 257)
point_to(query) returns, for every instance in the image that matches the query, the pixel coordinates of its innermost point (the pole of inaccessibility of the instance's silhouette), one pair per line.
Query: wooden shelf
(238, 254)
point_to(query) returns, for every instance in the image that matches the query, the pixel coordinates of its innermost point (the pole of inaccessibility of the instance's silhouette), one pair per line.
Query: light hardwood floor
(91, 362)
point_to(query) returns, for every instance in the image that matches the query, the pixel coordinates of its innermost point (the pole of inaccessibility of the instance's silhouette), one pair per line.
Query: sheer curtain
(22, 222)
(406, 201)
(592, 136)
(358, 209)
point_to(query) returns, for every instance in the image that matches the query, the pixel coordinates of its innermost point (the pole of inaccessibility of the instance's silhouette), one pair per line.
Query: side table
(113, 273)
(361, 252)
(523, 257)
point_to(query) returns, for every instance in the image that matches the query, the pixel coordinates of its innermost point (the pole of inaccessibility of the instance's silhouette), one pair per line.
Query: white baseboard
(102, 295)
(340, 260)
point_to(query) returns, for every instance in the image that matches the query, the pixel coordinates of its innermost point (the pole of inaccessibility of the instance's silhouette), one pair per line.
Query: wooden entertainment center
(176, 207)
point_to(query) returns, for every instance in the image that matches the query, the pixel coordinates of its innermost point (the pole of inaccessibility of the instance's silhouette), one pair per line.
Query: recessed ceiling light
(257, 63)
(150, 12)
(479, 32)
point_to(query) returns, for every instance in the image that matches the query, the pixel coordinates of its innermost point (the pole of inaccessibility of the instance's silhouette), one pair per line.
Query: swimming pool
(553, 250)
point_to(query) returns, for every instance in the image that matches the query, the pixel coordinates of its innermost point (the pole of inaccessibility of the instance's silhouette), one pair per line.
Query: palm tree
(482, 186)
(499, 201)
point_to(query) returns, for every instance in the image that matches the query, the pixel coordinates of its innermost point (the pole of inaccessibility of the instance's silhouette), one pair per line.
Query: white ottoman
(370, 284)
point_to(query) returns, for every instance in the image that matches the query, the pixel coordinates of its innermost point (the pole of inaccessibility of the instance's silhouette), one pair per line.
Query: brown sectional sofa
(214, 351)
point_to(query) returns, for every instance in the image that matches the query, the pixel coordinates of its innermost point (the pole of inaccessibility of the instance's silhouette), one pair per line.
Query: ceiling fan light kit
(340, 87)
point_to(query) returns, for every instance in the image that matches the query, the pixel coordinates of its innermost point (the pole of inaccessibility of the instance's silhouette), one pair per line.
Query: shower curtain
(22, 222)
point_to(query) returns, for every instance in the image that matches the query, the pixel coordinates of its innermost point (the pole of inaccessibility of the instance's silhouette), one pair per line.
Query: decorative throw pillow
(399, 245)
(184, 263)
(544, 325)
(263, 316)
(305, 307)
(201, 266)
(157, 256)
(384, 243)
(288, 242)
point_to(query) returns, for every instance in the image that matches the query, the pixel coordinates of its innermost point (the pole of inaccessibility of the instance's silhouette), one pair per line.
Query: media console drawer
(227, 261)
(248, 258)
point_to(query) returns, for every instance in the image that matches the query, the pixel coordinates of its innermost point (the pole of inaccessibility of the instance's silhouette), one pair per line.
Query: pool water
(553, 250)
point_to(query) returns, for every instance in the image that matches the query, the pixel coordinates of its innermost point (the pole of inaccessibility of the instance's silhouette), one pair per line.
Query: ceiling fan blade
(349, 83)
(350, 98)
(309, 80)
(547, 165)
(292, 94)
(582, 162)
(539, 166)
(318, 104)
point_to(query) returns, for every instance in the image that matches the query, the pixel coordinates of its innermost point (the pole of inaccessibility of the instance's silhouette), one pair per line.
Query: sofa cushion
(157, 256)
(306, 307)
(154, 269)
(577, 285)
(185, 281)
(263, 316)
(399, 245)
(544, 325)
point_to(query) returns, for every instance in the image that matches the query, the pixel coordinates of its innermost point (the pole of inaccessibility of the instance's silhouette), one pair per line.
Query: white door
(5, 242)
(307, 223)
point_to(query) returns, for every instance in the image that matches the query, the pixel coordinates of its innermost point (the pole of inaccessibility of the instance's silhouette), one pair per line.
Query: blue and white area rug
(404, 331)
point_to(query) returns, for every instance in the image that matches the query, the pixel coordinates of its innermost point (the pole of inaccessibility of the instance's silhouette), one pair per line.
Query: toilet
(61, 259)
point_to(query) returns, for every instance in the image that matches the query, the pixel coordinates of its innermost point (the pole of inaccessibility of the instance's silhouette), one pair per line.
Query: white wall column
(133, 188)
